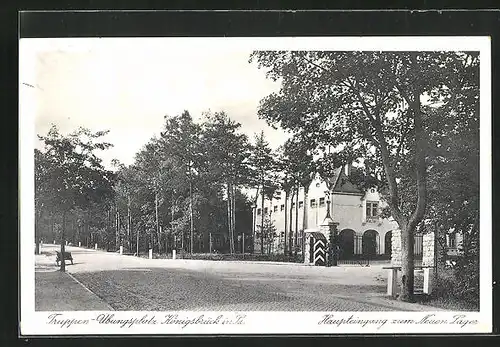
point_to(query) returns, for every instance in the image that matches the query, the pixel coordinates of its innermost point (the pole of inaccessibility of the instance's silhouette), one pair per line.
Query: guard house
(315, 248)
(361, 229)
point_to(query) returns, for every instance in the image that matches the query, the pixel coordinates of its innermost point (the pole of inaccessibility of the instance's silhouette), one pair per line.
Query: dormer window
(371, 209)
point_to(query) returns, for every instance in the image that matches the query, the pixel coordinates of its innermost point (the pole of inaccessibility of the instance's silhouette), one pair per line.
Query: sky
(128, 88)
(128, 85)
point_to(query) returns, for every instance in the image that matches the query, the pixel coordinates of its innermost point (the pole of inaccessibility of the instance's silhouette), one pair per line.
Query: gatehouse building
(361, 229)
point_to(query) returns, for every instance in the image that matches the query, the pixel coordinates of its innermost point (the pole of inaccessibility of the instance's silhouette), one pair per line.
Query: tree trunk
(137, 241)
(290, 235)
(52, 222)
(233, 214)
(38, 218)
(286, 222)
(262, 224)
(129, 217)
(270, 236)
(172, 222)
(183, 235)
(191, 214)
(118, 238)
(254, 219)
(229, 219)
(296, 222)
(408, 231)
(63, 242)
(160, 232)
(407, 264)
(305, 217)
(157, 225)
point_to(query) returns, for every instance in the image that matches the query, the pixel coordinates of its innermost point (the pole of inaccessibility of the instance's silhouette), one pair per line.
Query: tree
(227, 152)
(268, 232)
(263, 164)
(374, 104)
(70, 174)
(301, 161)
(287, 183)
(182, 136)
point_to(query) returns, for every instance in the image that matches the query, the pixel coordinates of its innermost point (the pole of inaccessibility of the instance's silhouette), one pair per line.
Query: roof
(316, 234)
(332, 181)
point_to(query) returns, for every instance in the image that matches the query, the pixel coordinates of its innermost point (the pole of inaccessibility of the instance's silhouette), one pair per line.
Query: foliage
(69, 178)
(376, 106)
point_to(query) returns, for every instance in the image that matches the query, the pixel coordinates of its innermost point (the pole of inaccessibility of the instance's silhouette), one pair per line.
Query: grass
(444, 295)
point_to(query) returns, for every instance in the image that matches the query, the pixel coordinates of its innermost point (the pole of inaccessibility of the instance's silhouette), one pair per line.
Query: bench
(67, 256)
(392, 281)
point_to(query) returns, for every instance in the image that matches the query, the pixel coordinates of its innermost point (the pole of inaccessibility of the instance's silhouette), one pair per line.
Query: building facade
(361, 229)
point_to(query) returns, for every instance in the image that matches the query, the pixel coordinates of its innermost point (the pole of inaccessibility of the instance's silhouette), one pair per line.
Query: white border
(34, 323)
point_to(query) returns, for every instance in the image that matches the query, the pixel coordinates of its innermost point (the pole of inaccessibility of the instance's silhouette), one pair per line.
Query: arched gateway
(388, 243)
(346, 243)
(369, 241)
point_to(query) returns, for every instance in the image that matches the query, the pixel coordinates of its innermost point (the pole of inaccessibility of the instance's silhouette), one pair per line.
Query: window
(301, 204)
(282, 207)
(373, 190)
(321, 202)
(313, 203)
(452, 241)
(317, 185)
(266, 210)
(258, 211)
(293, 205)
(275, 209)
(282, 234)
(371, 209)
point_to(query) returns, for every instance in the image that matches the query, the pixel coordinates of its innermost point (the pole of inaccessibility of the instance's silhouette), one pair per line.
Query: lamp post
(332, 228)
(254, 218)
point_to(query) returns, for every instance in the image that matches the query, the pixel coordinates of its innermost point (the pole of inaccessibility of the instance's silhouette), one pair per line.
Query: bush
(466, 274)
(240, 257)
(459, 284)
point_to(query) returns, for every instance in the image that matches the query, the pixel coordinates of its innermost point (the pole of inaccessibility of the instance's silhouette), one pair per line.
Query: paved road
(138, 284)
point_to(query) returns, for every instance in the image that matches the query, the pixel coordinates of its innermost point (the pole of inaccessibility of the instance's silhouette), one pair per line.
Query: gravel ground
(165, 290)
(138, 284)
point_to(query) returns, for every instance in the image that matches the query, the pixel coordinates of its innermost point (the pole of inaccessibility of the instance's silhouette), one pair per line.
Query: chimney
(347, 169)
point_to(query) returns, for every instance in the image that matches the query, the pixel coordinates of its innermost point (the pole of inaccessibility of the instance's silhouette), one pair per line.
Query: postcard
(243, 185)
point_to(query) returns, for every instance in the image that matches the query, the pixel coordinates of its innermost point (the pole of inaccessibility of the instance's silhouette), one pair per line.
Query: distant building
(362, 231)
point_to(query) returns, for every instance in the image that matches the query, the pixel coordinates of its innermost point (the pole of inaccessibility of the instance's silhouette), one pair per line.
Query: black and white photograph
(211, 185)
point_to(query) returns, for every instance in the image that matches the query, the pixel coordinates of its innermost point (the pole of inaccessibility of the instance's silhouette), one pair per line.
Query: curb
(91, 292)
